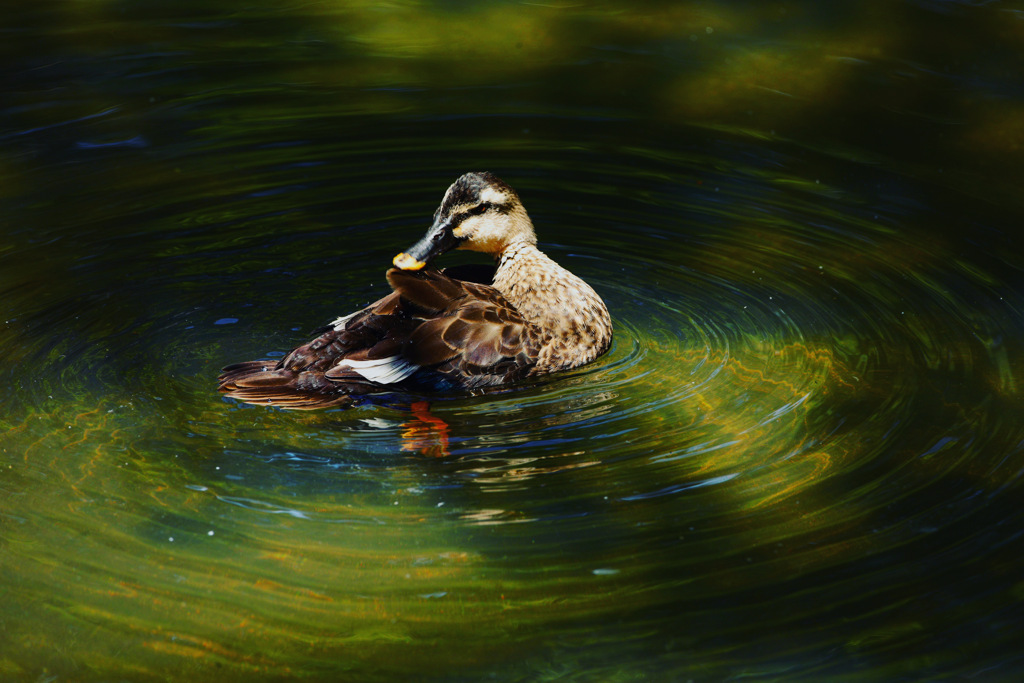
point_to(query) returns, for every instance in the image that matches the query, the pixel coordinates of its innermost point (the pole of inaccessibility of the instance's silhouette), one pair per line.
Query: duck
(464, 328)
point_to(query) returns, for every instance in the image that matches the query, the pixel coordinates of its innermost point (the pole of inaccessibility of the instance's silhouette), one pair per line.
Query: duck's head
(479, 212)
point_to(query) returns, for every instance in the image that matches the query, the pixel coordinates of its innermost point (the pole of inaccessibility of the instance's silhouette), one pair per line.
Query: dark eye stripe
(477, 210)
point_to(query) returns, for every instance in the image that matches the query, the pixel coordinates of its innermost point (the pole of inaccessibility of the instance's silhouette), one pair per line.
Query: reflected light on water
(800, 460)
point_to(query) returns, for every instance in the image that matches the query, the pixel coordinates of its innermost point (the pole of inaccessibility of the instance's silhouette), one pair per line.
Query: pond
(801, 459)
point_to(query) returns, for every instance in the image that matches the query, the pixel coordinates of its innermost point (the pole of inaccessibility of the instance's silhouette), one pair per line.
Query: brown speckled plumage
(441, 330)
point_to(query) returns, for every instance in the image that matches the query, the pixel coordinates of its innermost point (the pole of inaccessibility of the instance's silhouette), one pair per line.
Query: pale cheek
(492, 244)
(483, 242)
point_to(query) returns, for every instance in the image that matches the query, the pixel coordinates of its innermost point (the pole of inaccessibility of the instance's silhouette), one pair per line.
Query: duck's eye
(479, 209)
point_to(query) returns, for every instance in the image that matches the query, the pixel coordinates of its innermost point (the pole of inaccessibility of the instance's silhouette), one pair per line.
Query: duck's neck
(562, 305)
(519, 267)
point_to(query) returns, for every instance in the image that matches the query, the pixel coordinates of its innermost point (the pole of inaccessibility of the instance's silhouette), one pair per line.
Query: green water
(801, 459)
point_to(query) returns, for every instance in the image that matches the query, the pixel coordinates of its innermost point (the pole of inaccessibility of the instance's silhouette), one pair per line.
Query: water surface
(801, 459)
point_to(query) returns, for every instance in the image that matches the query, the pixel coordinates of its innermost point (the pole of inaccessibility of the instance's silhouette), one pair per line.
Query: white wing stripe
(382, 370)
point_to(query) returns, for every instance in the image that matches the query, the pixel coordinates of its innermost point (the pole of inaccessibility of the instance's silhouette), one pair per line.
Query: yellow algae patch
(494, 33)
(777, 76)
(747, 79)
(688, 21)
(181, 645)
(9, 668)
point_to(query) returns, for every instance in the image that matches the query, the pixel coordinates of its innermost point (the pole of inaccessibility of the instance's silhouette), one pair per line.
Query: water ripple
(802, 397)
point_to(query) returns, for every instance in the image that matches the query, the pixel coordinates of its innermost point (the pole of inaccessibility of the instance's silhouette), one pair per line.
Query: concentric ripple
(807, 402)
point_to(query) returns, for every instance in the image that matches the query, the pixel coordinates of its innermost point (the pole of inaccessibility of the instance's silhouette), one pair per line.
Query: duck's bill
(437, 241)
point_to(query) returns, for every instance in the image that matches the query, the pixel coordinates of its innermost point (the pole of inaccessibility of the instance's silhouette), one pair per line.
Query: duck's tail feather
(264, 383)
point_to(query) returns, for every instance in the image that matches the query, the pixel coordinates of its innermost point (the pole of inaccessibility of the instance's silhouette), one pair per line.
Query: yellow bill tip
(406, 262)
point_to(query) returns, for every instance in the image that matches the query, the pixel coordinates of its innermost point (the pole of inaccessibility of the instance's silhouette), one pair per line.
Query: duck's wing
(470, 336)
(433, 332)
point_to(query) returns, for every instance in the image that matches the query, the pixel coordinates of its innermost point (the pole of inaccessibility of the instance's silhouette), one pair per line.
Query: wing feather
(433, 330)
